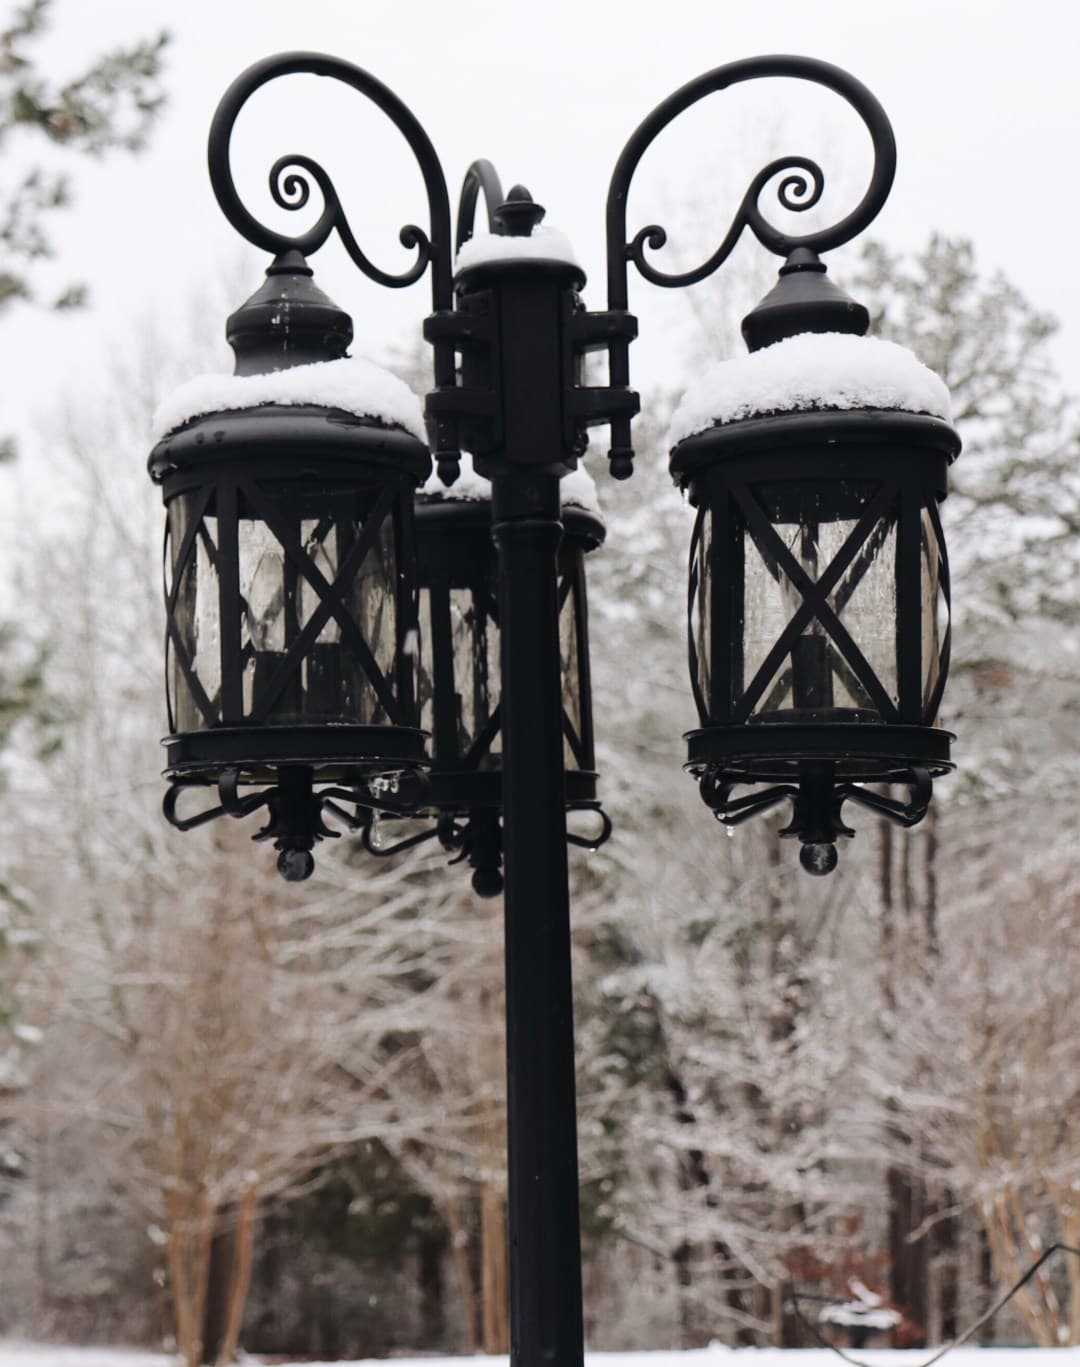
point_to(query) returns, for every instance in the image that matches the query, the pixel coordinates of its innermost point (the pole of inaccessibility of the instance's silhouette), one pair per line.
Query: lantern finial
(804, 299)
(288, 321)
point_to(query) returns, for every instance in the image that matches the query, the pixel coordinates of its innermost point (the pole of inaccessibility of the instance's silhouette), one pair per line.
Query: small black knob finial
(288, 321)
(519, 215)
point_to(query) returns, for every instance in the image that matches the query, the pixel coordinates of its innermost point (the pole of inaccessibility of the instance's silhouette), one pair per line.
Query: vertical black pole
(543, 1216)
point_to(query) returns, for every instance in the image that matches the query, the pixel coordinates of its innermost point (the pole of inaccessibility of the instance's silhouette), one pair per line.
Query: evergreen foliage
(110, 104)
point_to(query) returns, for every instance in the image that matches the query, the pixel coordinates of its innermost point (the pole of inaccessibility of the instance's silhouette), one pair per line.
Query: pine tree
(111, 104)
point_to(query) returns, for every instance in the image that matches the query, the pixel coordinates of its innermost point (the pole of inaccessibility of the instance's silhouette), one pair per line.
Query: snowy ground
(43, 1355)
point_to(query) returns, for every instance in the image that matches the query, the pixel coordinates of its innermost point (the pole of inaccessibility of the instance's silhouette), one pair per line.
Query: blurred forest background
(236, 1112)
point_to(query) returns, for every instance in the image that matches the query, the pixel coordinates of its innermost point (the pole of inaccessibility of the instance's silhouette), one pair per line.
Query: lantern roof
(811, 372)
(578, 488)
(350, 385)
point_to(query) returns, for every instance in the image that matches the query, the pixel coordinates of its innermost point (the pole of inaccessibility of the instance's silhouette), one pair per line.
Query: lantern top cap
(350, 385)
(811, 372)
(578, 488)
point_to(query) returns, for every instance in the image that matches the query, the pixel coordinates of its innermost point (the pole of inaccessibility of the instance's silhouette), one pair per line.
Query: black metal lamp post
(818, 587)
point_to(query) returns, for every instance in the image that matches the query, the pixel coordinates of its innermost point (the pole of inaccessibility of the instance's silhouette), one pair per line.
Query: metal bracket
(816, 802)
(296, 809)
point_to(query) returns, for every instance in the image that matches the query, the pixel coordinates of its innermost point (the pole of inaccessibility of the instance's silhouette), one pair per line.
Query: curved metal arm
(481, 175)
(291, 187)
(905, 814)
(798, 191)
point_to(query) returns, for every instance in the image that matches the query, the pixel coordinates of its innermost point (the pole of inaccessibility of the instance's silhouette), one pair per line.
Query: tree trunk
(432, 1291)
(908, 1259)
(240, 1278)
(459, 1243)
(219, 1277)
(494, 1270)
(191, 1233)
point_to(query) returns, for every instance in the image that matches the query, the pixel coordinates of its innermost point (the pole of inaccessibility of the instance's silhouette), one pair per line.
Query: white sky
(983, 96)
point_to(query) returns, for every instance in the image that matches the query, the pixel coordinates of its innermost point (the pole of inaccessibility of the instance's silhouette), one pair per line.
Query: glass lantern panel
(291, 672)
(769, 600)
(372, 602)
(475, 638)
(813, 523)
(326, 542)
(865, 600)
(935, 608)
(263, 633)
(425, 679)
(571, 676)
(195, 614)
(701, 605)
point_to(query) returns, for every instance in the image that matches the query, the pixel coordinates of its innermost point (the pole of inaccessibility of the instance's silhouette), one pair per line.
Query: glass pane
(769, 599)
(935, 608)
(372, 602)
(475, 641)
(196, 614)
(814, 677)
(701, 607)
(865, 602)
(425, 682)
(568, 654)
(294, 671)
(268, 625)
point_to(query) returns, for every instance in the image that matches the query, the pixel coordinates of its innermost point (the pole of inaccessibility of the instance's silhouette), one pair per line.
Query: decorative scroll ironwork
(481, 176)
(798, 191)
(295, 809)
(291, 178)
(290, 185)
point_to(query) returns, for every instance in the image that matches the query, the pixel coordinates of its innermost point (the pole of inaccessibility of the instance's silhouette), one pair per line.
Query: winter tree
(110, 104)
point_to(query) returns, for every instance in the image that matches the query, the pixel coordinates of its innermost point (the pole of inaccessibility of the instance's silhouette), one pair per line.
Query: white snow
(44, 1355)
(352, 385)
(578, 488)
(543, 244)
(855, 1314)
(815, 370)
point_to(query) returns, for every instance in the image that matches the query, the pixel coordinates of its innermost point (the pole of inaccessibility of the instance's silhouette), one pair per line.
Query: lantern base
(818, 765)
(337, 754)
(467, 807)
(299, 775)
(861, 752)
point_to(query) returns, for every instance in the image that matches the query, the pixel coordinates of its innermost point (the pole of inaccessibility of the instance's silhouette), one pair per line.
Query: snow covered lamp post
(819, 588)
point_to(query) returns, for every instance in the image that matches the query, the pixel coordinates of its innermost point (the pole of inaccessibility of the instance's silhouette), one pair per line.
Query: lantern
(819, 586)
(289, 582)
(459, 680)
